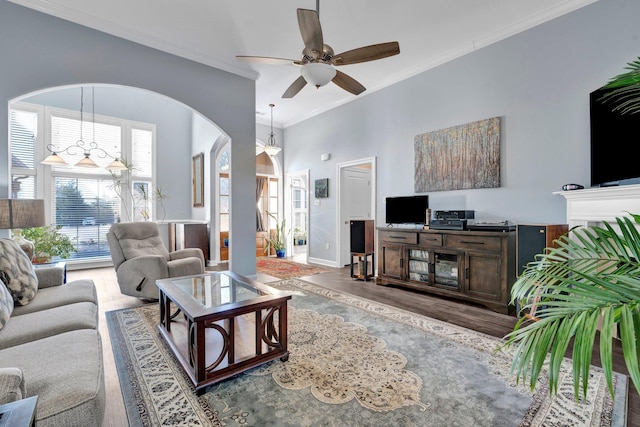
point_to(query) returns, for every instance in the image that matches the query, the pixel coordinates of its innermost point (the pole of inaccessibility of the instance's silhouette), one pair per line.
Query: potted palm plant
(278, 240)
(589, 282)
(625, 94)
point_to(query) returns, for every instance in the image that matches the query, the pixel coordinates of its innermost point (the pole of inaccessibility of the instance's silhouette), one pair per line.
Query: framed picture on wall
(322, 188)
(198, 180)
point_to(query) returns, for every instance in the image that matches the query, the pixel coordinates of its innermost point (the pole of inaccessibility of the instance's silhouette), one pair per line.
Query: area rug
(353, 362)
(284, 269)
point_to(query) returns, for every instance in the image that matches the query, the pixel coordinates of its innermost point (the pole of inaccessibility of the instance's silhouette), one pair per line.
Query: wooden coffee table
(220, 323)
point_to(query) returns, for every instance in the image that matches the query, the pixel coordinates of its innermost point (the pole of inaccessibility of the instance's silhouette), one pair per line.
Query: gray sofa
(51, 348)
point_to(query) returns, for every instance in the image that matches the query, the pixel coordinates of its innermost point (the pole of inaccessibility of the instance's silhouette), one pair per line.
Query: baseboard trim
(324, 262)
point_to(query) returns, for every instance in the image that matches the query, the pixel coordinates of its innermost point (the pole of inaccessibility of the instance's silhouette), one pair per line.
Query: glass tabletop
(216, 289)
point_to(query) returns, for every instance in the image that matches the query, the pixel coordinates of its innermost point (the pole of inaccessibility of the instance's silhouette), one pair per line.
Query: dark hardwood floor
(451, 311)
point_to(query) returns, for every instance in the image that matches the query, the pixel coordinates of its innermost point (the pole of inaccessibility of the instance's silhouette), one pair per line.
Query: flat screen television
(613, 139)
(407, 210)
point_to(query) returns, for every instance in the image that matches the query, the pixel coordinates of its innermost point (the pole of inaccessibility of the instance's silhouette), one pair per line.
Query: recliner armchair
(140, 258)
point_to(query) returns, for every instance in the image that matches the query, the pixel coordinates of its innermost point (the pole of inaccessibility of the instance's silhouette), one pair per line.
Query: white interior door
(355, 203)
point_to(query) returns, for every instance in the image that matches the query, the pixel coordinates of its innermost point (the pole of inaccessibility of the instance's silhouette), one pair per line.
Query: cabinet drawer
(398, 237)
(430, 239)
(468, 242)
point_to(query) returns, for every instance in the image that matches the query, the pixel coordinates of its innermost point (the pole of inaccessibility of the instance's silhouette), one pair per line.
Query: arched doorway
(151, 132)
(268, 198)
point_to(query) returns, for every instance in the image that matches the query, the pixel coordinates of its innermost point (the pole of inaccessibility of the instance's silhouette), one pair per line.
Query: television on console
(613, 137)
(407, 210)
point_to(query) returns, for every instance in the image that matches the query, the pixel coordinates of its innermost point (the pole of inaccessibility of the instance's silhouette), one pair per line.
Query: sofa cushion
(17, 272)
(6, 304)
(46, 323)
(56, 296)
(67, 373)
(139, 238)
(11, 385)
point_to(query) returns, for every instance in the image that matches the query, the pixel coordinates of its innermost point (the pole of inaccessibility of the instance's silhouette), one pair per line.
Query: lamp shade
(272, 150)
(54, 159)
(116, 165)
(87, 162)
(21, 213)
(318, 73)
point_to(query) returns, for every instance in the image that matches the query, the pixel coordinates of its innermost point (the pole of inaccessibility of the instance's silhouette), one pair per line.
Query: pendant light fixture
(272, 148)
(80, 145)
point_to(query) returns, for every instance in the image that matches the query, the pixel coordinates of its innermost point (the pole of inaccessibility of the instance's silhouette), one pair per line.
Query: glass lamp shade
(116, 165)
(318, 73)
(272, 150)
(54, 159)
(86, 162)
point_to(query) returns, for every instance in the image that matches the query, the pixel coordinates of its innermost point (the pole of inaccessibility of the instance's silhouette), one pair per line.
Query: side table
(363, 270)
(60, 264)
(21, 413)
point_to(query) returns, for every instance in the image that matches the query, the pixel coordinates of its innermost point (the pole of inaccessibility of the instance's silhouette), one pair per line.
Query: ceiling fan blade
(348, 83)
(295, 87)
(265, 60)
(366, 53)
(310, 29)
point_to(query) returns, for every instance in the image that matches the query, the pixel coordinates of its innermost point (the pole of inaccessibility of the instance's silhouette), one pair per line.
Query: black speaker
(533, 239)
(362, 234)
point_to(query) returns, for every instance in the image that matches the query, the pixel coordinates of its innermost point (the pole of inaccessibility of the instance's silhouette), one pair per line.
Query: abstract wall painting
(458, 158)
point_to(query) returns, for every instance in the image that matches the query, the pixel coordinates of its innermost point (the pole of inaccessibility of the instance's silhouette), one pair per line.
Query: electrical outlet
(326, 246)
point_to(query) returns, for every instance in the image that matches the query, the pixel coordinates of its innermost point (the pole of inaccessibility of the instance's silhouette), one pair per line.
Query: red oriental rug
(283, 269)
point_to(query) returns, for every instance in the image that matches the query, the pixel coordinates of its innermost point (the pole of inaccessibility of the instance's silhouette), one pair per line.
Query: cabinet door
(482, 275)
(392, 261)
(446, 269)
(419, 265)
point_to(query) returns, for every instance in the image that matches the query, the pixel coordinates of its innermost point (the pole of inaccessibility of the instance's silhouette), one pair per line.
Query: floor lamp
(16, 214)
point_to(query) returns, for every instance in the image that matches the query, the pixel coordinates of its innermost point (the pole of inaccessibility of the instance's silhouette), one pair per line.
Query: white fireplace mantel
(591, 206)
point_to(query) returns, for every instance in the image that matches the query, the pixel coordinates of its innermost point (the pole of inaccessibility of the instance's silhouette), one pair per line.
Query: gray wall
(40, 52)
(539, 83)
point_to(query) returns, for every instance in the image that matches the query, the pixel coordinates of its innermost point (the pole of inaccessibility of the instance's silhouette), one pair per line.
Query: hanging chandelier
(272, 148)
(83, 147)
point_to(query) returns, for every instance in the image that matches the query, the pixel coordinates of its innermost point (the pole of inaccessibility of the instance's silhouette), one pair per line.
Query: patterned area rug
(353, 362)
(284, 269)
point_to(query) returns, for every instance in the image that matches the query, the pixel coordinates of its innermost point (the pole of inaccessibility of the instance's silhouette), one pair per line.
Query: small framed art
(322, 188)
(198, 180)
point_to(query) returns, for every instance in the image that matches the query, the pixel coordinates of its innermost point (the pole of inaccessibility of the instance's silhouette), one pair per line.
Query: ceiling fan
(318, 59)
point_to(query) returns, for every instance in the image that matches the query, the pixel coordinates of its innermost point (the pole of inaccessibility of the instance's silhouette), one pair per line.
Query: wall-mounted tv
(612, 142)
(407, 210)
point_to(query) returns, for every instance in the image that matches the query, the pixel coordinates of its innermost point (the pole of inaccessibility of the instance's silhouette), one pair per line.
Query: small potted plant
(49, 242)
(299, 236)
(279, 239)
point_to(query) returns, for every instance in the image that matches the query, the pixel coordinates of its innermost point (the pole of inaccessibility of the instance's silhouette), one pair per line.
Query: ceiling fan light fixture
(318, 73)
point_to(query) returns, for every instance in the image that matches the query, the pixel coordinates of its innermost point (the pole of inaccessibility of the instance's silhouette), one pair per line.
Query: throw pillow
(6, 304)
(17, 272)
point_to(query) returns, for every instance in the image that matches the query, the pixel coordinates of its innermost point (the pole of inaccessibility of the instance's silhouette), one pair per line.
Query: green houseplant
(49, 242)
(625, 95)
(590, 281)
(278, 240)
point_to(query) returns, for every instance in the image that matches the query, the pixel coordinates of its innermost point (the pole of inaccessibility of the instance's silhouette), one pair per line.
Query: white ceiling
(213, 32)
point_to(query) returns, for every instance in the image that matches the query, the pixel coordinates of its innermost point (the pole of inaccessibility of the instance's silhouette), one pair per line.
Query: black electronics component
(448, 224)
(504, 226)
(457, 214)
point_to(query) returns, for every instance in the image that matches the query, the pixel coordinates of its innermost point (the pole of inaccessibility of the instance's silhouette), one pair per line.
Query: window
(84, 202)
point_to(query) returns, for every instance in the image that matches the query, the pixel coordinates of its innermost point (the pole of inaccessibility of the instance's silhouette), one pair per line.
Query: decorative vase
(280, 253)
